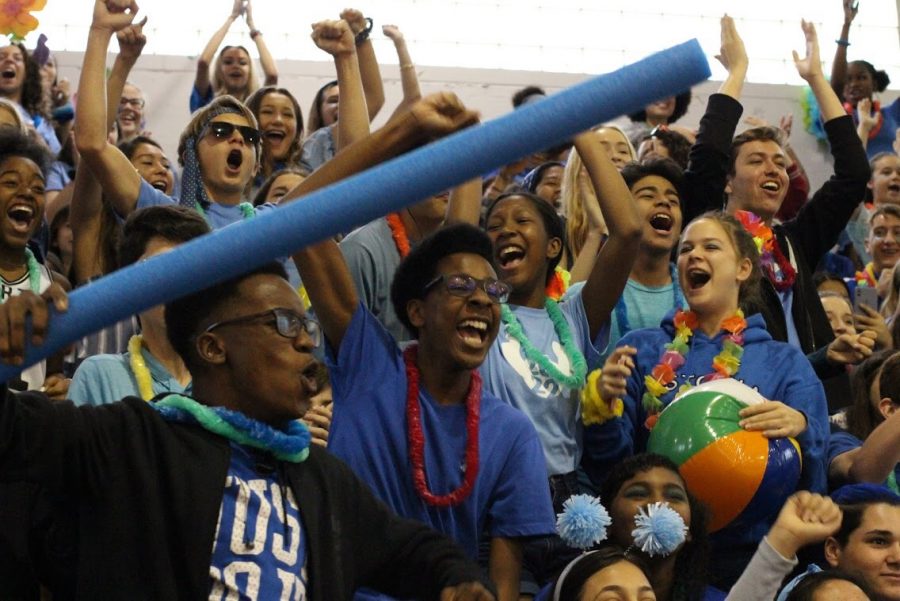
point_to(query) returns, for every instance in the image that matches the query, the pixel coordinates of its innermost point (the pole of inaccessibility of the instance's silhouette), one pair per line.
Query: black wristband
(363, 35)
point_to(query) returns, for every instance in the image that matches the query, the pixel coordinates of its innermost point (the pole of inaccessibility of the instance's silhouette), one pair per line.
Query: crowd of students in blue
(403, 411)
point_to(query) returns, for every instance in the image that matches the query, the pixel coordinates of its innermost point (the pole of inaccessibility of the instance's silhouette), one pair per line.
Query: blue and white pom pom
(583, 522)
(659, 530)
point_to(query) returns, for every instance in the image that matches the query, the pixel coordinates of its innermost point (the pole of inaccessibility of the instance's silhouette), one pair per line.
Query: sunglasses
(222, 130)
(288, 323)
(464, 286)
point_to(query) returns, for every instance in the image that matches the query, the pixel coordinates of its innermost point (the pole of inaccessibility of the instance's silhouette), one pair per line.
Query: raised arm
(839, 65)
(614, 261)
(408, 77)
(322, 267)
(131, 43)
(810, 69)
(336, 38)
(86, 220)
(270, 70)
(113, 170)
(464, 205)
(710, 157)
(880, 452)
(201, 79)
(373, 87)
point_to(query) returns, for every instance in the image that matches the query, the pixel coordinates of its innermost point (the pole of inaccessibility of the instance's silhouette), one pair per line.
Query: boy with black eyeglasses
(416, 425)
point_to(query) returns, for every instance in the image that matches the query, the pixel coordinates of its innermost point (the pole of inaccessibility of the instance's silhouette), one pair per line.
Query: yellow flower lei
(139, 367)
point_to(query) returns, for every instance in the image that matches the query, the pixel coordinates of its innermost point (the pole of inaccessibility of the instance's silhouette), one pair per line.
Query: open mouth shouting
(772, 186)
(696, 278)
(8, 74)
(661, 223)
(510, 256)
(473, 331)
(22, 217)
(235, 160)
(160, 183)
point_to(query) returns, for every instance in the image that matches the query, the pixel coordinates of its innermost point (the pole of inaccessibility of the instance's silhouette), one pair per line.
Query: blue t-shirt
(841, 442)
(198, 100)
(368, 431)
(104, 379)
(217, 215)
(259, 550)
(644, 307)
(553, 409)
(317, 149)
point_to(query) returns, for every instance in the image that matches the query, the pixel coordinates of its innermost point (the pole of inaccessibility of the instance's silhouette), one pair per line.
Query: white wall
(168, 80)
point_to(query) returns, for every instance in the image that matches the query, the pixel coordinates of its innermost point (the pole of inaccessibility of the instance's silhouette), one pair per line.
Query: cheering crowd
(416, 408)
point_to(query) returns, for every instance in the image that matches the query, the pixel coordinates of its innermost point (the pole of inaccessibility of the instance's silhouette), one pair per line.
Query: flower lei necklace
(876, 108)
(576, 358)
(34, 271)
(725, 364)
(775, 265)
(398, 233)
(290, 444)
(866, 277)
(622, 308)
(139, 367)
(247, 210)
(417, 437)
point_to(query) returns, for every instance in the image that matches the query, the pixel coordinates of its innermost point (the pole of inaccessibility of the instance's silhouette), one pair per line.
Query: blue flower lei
(622, 309)
(291, 444)
(576, 358)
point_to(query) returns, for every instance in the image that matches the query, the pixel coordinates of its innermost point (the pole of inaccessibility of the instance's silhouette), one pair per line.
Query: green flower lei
(247, 210)
(291, 444)
(34, 271)
(576, 358)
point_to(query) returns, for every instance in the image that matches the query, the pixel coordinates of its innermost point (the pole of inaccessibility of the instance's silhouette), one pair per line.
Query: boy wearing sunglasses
(219, 149)
(415, 425)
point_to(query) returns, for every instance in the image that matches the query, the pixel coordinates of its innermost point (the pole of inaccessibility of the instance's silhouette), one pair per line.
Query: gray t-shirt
(372, 257)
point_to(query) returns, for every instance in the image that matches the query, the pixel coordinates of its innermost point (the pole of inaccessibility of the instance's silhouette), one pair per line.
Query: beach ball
(741, 476)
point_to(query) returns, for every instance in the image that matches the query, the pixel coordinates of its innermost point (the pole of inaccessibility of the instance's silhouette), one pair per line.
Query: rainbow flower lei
(559, 283)
(774, 264)
(725, 364)
(867, 277)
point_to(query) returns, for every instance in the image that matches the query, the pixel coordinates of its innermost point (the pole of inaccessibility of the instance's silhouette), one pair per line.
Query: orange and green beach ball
(741, 476)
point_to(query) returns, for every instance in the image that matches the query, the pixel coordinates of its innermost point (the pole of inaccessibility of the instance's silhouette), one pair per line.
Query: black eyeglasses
(287, 323)
(135, 102)
(462, 285)
(223, 130)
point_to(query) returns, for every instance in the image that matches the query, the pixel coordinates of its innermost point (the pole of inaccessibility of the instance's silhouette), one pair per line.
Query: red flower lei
(398, 233)
(417, 438)
(876, 108)
(774, 264)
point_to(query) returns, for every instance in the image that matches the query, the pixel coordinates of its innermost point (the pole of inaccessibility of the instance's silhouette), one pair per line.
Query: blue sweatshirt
(778, 371)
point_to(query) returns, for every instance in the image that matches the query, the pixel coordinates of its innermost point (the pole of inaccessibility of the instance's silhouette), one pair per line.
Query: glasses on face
(134, 102)
(655, 131)
(222, 130)
(287, 323)
(463, 286)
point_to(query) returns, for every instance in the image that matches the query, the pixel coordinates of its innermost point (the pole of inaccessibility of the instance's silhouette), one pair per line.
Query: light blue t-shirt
(217, 215)
(317, 149)
(259, 551)
(510, 497)
(372, 258)
(644, 307)
(104, 379)
(553, 409)
(787, 303)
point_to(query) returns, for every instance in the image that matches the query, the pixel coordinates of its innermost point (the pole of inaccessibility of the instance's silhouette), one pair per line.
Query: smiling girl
(281, 125)
(719, 273)
(544, 349)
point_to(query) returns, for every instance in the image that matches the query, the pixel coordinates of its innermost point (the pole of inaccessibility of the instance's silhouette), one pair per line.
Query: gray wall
(168, 80)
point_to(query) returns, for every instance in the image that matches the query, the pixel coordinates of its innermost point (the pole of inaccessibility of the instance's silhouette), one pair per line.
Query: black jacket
(808, 236)
(147, 494)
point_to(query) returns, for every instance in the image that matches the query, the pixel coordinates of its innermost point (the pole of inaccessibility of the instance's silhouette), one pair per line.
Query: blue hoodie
(778, 371)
